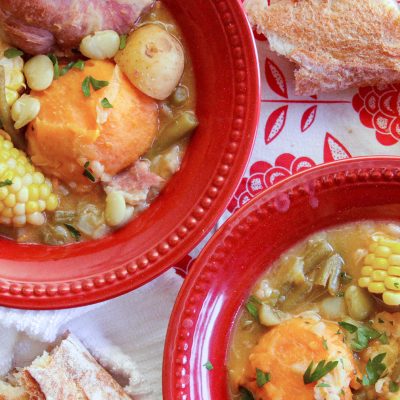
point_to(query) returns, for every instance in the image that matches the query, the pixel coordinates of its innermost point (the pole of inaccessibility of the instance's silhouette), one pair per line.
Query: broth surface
(277, 290)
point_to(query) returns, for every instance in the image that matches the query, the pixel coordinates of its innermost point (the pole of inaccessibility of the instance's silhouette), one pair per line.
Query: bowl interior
(226, 70)
(231, 264)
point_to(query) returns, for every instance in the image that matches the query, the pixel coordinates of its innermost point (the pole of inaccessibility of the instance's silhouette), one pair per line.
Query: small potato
(333, 308)
(153, 60)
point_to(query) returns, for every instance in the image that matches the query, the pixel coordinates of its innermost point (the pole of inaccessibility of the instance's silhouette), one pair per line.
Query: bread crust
(336, 44)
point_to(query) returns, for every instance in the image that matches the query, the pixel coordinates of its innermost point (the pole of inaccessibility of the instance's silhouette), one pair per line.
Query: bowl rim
(205, 212)
(173, 354)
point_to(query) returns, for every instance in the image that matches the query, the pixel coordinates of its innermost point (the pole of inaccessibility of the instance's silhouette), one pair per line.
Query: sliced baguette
(337, 44)
(10, 392)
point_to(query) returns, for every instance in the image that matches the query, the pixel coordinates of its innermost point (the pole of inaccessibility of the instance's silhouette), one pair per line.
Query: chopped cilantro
(208, 366)
(7, 182)
(374, 370)
(86, 87)
(80, 64)
(393, 387)
(12, 52)
(362, 335)
(73, 231)
(122, 43)
(88, 173)
(320, 371)
(262, 377)
(325, 343)
(348, 327)
(383, 338)
(322, 384)
(96, 84)
(54, 60)
(105, 103)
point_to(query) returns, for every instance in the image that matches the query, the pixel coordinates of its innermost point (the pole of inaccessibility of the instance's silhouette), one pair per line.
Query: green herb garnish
(251, 306)
(88, 173)
(375, 368)
(322, 384)
(96, 84)
(7, 182)
(325, 343)
(393, 387)
(320, 371)
(363, 335)
(245, 394)
(73, 64)
(80, 64)
(86, 87)
(73, 231)
(262, 377)
(105, 103)
(348, 327)
(12, 52)
(122, 43)
(208, 366)
(54, 60)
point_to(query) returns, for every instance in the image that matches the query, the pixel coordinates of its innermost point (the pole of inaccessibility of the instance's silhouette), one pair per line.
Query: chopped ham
(135, 182)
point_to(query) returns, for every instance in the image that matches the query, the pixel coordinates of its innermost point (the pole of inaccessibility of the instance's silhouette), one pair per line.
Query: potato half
(153, 60)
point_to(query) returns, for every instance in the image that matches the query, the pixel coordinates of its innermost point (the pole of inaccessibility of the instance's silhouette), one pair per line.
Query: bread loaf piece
(68, 372)
(337, 44)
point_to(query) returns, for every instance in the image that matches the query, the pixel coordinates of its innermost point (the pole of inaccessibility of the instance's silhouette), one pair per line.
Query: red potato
(43, 26)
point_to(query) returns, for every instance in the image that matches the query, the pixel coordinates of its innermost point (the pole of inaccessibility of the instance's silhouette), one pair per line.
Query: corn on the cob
(24, 192)
(381, 271)
(15, 80)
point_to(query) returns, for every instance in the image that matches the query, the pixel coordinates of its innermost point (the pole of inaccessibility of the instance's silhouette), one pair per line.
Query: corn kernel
(383, 251)
(379, 275)
(10, 200)
(393, 271)
(364, 282)
(52, 202)
(33, 192)
(44, 191)
(394, 259)
(376, 287)
(31, 207)
(28, 195)
(391, 298)
(380, 263)
(367, 271)
(392, 283)
(369, 259)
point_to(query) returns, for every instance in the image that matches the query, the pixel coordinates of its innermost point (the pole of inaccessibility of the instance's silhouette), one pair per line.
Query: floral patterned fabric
(296, 133)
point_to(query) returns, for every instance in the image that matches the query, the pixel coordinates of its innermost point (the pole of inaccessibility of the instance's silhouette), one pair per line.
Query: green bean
(180, 127)
(323, 272)
(180, 96)
(316, 252)
(336, 263)
(62, 216)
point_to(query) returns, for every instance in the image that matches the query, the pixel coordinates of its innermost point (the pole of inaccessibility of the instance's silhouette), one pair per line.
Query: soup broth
(315, 305)
(80, 214)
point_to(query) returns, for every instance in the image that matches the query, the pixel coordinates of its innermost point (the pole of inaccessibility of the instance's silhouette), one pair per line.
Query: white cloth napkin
(126, 334)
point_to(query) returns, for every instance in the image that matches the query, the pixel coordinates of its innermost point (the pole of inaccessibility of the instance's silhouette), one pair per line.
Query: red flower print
(182, 267)
(263, 175)
(334, 150)
(379, 109)
(308, 118)
(275, 124)
(275, 78)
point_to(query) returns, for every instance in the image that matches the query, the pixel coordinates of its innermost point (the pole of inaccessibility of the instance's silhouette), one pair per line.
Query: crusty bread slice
(70, 372)
(10, 392)
(336, 44)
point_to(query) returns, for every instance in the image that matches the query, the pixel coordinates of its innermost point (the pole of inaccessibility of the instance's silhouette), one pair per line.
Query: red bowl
(253, 238)
(226, 68)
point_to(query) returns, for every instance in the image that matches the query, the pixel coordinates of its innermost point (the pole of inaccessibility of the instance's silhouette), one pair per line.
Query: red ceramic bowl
(224, 56)
(232, 262)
